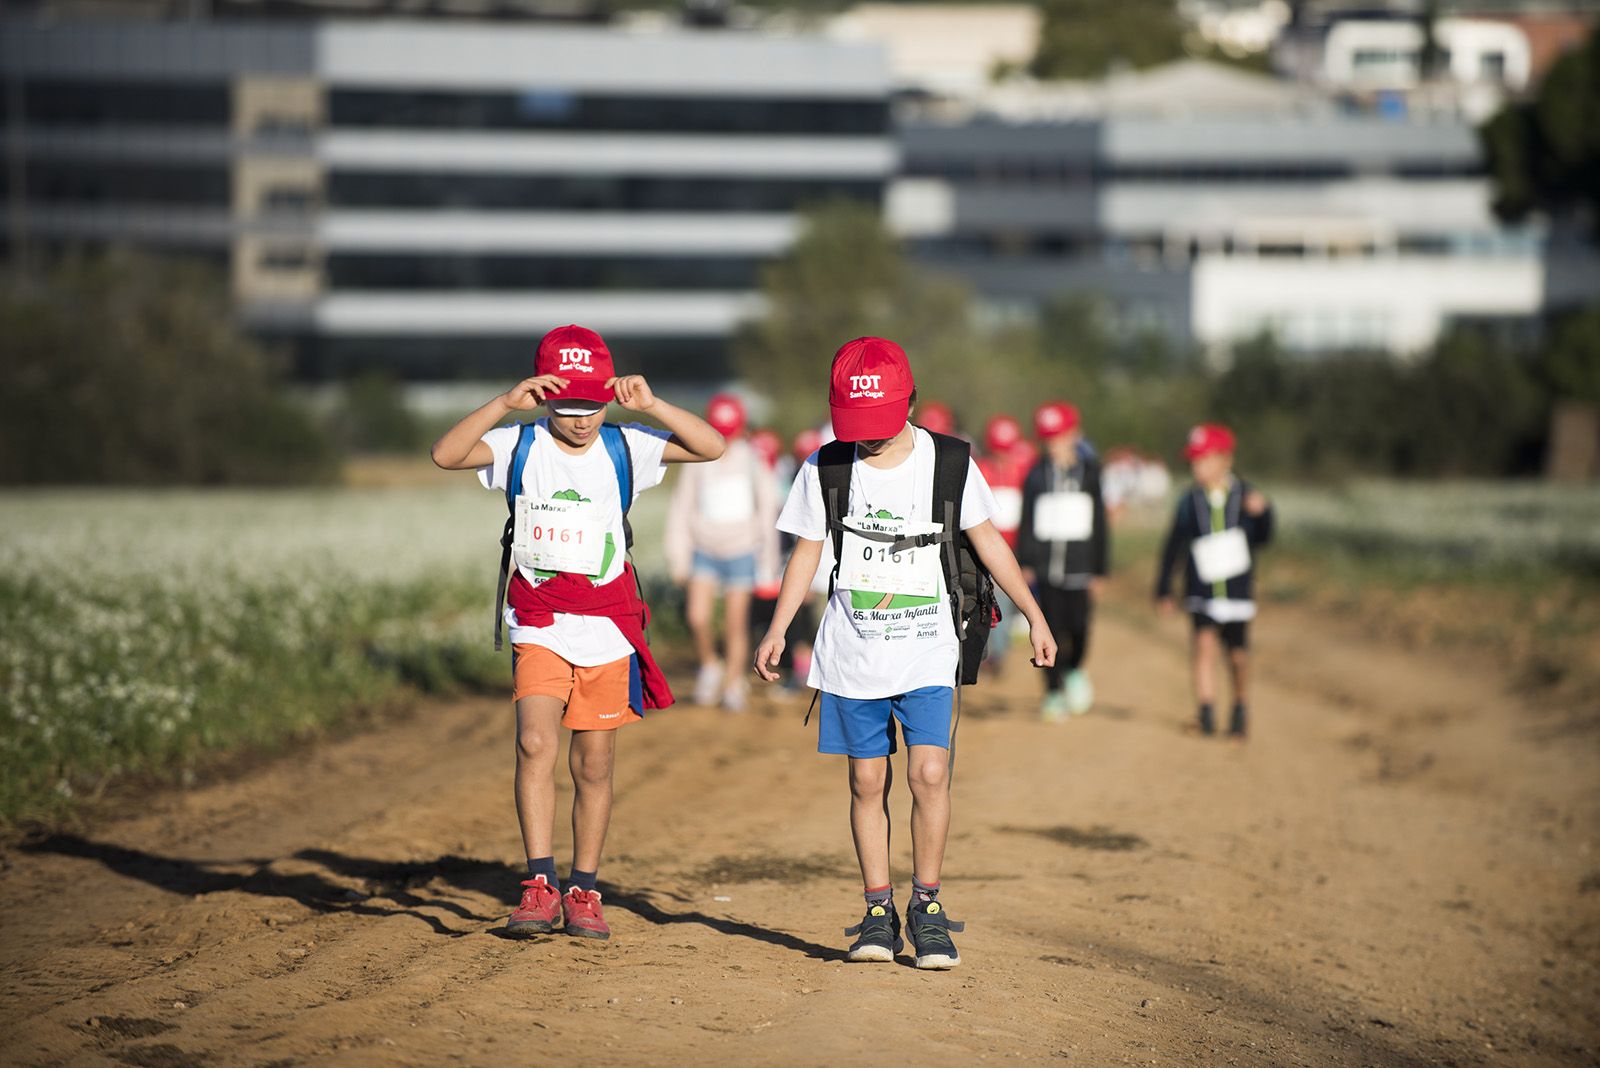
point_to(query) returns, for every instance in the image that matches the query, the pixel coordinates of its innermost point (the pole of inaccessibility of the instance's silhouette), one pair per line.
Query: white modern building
(429, 197)
(1214, 216)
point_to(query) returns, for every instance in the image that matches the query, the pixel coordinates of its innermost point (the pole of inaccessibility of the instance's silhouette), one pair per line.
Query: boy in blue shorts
(887, 649)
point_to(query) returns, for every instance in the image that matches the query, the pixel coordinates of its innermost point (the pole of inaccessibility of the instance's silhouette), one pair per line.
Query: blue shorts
(731, 573)
(864, 727)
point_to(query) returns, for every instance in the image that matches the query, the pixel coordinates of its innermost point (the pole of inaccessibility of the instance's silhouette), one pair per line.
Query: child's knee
(535, 746)
(593, 767)
(928, 774)
(868, 777)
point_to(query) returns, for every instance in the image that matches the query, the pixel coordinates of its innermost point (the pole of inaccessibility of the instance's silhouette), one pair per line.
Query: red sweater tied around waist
(618, 601)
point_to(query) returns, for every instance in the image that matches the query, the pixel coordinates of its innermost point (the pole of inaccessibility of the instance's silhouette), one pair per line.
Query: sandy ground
(1400, 868)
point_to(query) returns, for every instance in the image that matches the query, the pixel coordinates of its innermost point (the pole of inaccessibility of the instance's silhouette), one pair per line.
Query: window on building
(622, 193)
(1492, 67)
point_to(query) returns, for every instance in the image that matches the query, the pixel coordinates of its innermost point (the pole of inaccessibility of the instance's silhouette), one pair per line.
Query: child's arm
(462, 447)
(1170, 551)
(1258, 518)
(996, 556)
(796, 586)
(693, 441)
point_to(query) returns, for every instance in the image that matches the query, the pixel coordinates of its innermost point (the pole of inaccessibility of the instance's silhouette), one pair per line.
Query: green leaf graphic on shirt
(881, 602)
(611, 546)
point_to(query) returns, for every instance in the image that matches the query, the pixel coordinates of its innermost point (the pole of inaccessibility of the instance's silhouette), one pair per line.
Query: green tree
(125, 368)
(1571, 362)
(1544, 153)
(1088, 38)
(374, 416)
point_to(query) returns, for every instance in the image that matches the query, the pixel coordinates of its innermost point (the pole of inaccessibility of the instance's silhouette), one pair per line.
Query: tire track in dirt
(1135, 895)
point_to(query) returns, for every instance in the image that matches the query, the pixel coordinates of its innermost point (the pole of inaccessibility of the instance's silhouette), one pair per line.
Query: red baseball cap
(1002, 434)
(937, 417)
(870, 389)
(579, 355)
(768, 446)
(725, 413)
(1206, 439)
(805, 443)
(1053, 419)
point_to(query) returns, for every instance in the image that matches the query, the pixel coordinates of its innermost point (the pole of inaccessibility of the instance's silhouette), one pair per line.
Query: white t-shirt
(586, 641)
(876, 645)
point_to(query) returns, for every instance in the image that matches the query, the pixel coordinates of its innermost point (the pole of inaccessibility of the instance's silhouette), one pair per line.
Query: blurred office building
(429, 196)
(1210, 203)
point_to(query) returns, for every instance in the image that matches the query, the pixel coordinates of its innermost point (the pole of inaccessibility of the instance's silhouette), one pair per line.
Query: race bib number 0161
(869, 565)
(558, 536)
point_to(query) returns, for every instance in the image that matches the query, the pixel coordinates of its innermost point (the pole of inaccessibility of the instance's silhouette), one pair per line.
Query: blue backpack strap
(622, 459)
(519, 460)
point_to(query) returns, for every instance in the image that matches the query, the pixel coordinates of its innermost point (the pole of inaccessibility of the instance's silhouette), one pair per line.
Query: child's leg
(538, 741)
(1204, 657)
(928, 769)
(702, 598)
(1239, 666)
(870, 778)
(591, 758)
(736, 622)
(1053, 603)
(1074, 634)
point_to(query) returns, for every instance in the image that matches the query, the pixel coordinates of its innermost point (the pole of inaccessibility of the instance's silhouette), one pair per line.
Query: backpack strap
(621, 453)
(951, 458)
(519, 461)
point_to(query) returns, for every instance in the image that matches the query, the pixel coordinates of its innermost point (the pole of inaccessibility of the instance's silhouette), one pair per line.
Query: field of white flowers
(140, 631)
(1450, 529)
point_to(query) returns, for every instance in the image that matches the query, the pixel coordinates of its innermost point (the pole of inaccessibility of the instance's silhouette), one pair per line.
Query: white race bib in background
(1065, 516)
(869, 565)
(558, 535)
(727, 500)
(1221, 556)
(1007, 507)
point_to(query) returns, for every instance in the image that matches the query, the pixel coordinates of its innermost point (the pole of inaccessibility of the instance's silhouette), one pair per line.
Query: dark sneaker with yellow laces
(878, 935)
(537, 911)
(930, 935)
(581, 914)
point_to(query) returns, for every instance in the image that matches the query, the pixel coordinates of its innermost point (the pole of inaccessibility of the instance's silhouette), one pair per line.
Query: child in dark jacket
(1064, 548)
(1219, 522)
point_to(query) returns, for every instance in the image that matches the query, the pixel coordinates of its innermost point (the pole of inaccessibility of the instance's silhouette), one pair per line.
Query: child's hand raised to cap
(633, 393)
(1255, 502)
(531, 392)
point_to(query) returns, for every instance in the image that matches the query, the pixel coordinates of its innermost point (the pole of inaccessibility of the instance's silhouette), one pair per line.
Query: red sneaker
(536, 912)
(580, 910)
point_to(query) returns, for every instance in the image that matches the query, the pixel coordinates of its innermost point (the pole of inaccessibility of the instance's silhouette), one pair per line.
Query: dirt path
(1399, 869)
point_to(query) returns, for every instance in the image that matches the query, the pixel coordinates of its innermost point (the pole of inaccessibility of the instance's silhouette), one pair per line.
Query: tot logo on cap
(1206, 439)
(869, 391)
(1054, 419)
(579, 355)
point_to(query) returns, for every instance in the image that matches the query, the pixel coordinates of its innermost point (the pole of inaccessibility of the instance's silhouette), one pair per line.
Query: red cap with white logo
(869, 392)
(768, 446)
(579, 355)
(936, 417)
(725, 413)
(806, 442)
(1054, 419)
(1001, 434)
(1208, 438)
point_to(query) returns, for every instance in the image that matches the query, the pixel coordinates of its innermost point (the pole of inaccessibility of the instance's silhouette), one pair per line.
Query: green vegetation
(128, 369)
(142, 635)
(1544, 153)
(1469, 407)
(1090, 38)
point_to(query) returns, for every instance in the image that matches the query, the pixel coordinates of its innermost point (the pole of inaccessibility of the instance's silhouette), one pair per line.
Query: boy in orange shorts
(577, 621)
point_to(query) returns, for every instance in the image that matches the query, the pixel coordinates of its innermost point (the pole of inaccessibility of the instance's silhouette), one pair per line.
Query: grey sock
(880, 895)
(921, 891)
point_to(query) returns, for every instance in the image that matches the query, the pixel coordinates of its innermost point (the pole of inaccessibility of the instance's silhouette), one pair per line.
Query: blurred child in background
(1219, 521)
(720, 540)
(1005, 462)
(936, 418)
(1063, 545)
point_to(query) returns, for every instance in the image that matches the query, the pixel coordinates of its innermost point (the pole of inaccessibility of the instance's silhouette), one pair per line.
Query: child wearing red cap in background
(721, 542)
(580, 659)
(1064, 546)
(887, 649)
(1006, 458)
(1219, 521)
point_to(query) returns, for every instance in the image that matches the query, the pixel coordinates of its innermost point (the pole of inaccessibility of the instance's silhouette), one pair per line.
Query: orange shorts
(596, 697)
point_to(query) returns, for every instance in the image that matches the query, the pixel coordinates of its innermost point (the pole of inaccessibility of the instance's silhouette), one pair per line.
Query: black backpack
(967, 582)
